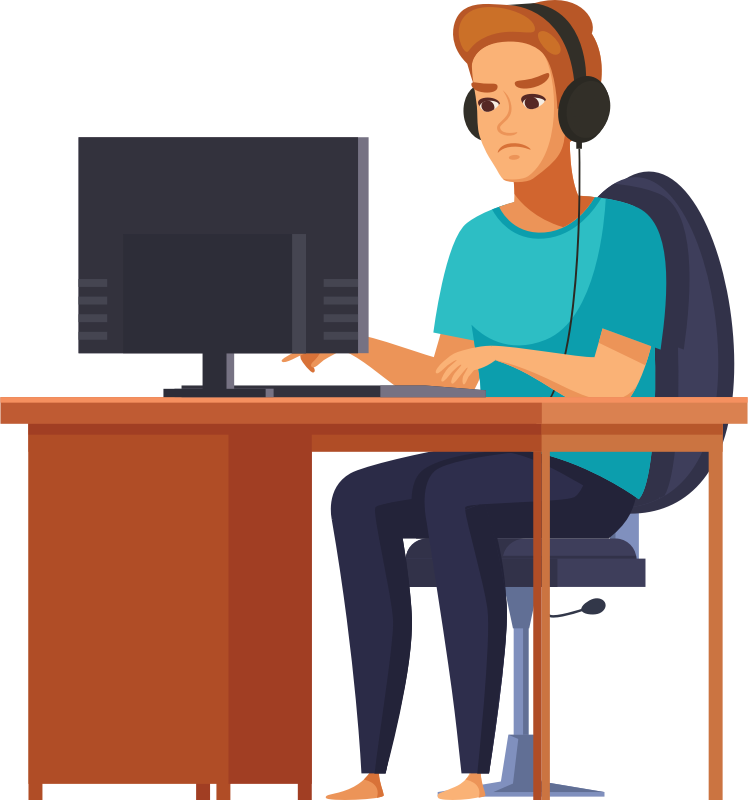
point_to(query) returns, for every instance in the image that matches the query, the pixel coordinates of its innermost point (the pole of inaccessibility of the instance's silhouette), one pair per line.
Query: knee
(438, 485)
(350, 494)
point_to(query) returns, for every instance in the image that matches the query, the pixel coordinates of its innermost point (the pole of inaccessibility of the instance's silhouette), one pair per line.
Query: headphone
(582, 111)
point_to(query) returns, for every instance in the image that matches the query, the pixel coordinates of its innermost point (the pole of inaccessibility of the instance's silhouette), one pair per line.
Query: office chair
(696, 360)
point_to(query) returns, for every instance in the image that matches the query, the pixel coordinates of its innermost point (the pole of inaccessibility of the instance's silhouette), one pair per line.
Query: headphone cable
(576, 260)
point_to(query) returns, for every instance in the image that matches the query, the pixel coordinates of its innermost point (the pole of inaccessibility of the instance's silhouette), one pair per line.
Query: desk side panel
(128, 608)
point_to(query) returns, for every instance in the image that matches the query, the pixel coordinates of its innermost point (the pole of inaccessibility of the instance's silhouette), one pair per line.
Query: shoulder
(634, 224)
(478, 226)
(627, 212)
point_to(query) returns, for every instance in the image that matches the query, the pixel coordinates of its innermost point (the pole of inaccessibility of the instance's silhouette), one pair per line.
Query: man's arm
(400, 366)
(614, 370)
(572, 376)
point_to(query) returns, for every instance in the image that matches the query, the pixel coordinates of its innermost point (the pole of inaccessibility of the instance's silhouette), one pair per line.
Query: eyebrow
(526, 84)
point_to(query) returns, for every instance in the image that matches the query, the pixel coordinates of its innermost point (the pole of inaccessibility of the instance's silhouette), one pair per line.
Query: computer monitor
(219, 246)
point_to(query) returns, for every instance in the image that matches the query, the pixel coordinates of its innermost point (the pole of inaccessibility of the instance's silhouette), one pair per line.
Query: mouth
(513, 144)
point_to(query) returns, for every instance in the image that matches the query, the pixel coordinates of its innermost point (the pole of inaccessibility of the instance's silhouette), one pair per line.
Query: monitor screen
(239, 245)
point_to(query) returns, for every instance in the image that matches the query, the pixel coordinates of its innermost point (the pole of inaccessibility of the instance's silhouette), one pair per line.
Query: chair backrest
(697, 354)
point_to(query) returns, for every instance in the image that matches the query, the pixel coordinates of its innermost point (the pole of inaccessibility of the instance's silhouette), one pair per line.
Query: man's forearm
(399, 365)
(571, 376)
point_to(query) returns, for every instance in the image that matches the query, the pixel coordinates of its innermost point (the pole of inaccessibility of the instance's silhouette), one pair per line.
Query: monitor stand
(218, 380)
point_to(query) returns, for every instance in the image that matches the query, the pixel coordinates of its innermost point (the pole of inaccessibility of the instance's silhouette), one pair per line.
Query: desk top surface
(374, 411)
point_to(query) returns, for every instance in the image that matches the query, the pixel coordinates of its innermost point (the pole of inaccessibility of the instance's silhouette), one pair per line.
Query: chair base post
(516, 777)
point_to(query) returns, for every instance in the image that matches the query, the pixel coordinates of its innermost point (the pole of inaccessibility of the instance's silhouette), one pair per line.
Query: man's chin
(517, 173)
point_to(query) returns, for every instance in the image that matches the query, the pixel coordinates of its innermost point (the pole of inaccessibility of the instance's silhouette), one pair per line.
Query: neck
(551, 195)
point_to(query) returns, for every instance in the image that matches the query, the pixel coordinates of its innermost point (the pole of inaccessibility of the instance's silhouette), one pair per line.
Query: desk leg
(541, 625)
(270, 606)
(715, 620)
(223, 791)
(36, 791)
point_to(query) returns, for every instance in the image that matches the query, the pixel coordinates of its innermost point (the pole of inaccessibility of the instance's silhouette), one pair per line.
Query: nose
(504, 123)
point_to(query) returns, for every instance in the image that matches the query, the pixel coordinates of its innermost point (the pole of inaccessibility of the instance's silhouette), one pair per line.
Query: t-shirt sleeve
(453, 316)
(634, 303)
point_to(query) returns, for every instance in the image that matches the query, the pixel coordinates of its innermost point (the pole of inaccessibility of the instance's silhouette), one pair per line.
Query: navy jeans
(463, 502)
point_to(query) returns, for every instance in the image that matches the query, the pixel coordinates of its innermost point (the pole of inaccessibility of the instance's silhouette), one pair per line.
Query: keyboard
(313, 390)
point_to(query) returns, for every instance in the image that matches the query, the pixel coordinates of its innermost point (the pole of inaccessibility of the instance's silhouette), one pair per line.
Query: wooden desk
(170, 567)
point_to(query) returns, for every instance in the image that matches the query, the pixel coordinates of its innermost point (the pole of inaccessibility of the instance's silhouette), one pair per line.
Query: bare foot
(471, 787)
(369, 787)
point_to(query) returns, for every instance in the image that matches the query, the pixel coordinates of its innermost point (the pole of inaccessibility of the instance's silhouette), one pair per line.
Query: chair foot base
(520, 790)
(517, 778)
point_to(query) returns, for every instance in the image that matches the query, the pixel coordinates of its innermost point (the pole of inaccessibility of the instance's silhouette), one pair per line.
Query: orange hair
(478, 26)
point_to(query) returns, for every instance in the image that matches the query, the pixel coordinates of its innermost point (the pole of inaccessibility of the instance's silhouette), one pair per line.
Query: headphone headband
(566, 31)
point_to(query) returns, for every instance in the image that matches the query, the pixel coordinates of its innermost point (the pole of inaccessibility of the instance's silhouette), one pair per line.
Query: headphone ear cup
(584, 109)
(470, 112)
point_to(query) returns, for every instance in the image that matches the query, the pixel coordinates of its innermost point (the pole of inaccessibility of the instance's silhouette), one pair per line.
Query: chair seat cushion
(574, 562)
(560, 548)
(570, 548)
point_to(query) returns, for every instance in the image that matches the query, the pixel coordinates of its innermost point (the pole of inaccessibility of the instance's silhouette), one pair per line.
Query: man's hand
(310, 360)
(466, 362)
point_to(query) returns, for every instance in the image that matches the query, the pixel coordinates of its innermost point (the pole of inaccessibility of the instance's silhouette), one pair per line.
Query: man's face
(517, 109)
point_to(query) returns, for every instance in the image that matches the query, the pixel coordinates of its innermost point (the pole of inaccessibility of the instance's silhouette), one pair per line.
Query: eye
(535, 98)
(488, 103)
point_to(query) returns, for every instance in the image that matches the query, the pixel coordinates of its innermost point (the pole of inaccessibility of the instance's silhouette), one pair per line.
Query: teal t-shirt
(507, 286)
